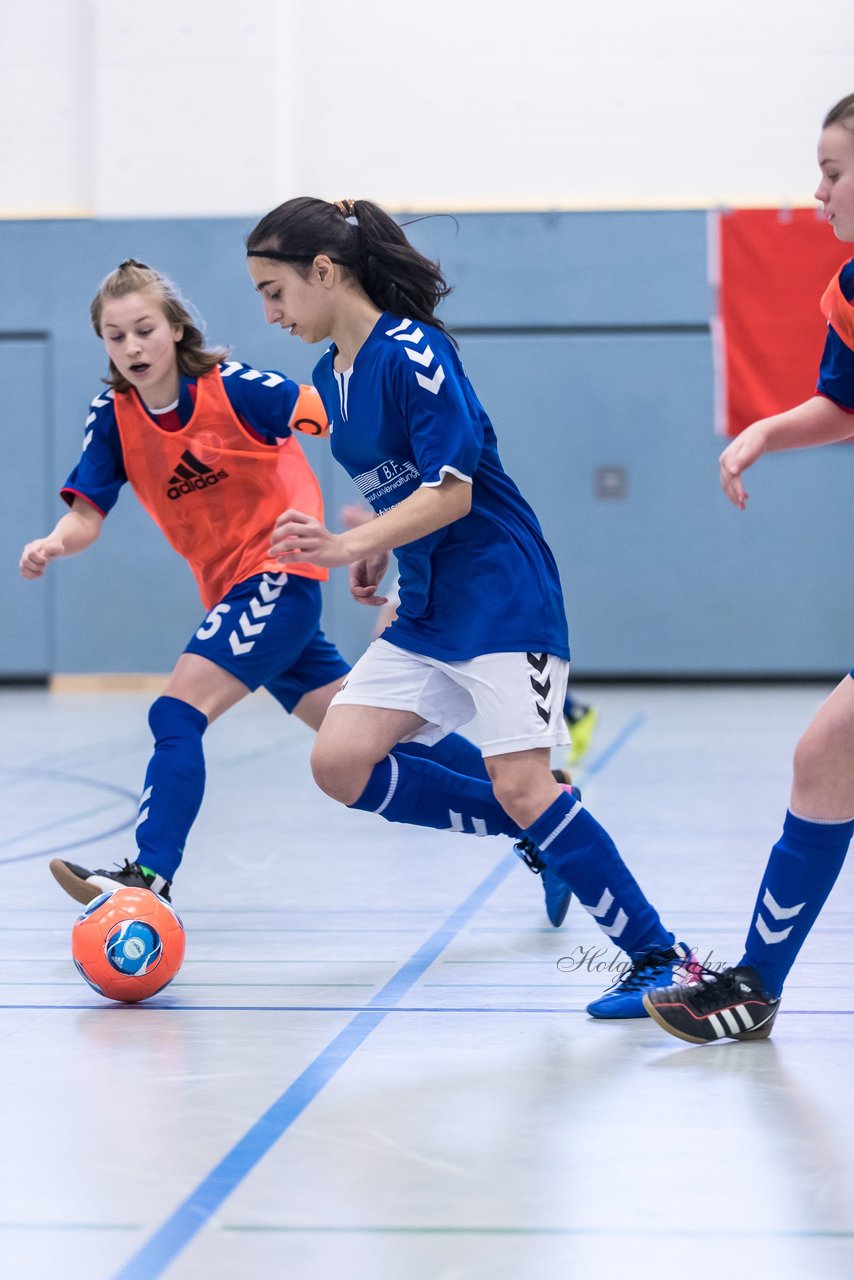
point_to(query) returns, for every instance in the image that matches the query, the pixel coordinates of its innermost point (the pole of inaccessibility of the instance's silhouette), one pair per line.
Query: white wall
(211, 107)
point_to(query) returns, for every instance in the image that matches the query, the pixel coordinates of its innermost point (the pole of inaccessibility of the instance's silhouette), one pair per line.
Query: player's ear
(323, 269)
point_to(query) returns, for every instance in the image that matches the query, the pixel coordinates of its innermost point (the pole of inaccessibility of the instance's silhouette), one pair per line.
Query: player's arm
(74, 532)
(271, 403)
(308, 413)
(431, 507)
(816, 421)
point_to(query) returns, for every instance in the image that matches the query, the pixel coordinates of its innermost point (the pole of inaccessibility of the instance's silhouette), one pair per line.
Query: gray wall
(586, 337)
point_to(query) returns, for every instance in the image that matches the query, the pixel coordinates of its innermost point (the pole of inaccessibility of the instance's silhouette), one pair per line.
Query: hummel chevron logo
(249, 375)
(261, 610)
(778, 912)
(268, 593)
(237, 646)
(250, 628)
(601, 909)
(768, 935)
(192, 475)
(143, 806)
(431, 384)
(541, 688)
(421, 357)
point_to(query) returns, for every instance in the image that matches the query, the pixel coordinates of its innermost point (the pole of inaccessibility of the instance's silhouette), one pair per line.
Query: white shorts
(517, 697)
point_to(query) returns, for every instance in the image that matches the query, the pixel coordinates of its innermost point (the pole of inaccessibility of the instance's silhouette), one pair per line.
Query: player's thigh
(832, 728)
(313, 706)
(823, 784)
(257, 630)
(351, 741)
(519, 700)
(390, 678)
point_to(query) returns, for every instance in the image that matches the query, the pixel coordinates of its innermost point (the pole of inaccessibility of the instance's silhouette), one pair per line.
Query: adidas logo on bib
(192, 475)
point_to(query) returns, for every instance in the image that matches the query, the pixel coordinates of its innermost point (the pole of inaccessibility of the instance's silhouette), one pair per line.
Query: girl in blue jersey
(742, 1002)
(480, 627)
(207, 443)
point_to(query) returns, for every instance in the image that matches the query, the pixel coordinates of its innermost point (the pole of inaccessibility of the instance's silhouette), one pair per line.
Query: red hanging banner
(771, 268)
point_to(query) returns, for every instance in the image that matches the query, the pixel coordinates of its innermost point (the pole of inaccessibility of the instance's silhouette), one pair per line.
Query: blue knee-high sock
(800, 874)
(583, 855)
(453, 751)
(174, 785)
(406, 788)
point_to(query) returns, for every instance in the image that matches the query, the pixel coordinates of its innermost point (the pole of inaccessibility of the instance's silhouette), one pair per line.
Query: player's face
(140, 341)
(836, 189)
(298, 303)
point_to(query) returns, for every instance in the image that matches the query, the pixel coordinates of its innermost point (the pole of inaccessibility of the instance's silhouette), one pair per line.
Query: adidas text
(181, 487)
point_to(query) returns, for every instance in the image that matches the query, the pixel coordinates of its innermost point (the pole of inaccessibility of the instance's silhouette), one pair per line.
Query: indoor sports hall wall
(587, 140)
(586, 335)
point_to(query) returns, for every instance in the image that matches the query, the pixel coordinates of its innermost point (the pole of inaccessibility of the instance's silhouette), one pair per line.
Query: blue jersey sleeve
(263, 399)
(100, 473)
(836, 374)
(442, 419)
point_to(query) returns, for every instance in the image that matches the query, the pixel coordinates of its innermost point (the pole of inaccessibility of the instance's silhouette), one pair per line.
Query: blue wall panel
(586, 338)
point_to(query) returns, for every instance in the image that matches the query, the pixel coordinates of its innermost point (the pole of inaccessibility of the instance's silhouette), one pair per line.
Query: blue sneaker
(664, 967)
(558, 894)
(558, 897)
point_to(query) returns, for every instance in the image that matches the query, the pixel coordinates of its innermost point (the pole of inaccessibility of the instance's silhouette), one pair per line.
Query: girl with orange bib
(208, 446)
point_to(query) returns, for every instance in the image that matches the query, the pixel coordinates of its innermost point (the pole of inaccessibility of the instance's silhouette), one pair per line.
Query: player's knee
(330, 770)
(513, 796)
(170, 718)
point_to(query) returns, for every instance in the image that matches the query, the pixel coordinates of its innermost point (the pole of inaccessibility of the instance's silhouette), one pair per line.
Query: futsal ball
(128, 944)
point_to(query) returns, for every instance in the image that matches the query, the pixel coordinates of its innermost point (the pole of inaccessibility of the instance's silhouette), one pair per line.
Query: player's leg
(223, 661)
(392, 694)
(307, 689)
(198, 691)
(741, 1002)
(520, 724)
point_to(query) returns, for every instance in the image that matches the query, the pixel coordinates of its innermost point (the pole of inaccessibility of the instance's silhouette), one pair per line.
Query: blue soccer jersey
(263, 400)
(406, 415)
(836, 375)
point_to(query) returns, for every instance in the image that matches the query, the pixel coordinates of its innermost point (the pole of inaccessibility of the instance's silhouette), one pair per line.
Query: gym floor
(375, 1062)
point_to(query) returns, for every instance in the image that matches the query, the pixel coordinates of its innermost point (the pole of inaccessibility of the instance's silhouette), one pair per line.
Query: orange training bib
(214, 490)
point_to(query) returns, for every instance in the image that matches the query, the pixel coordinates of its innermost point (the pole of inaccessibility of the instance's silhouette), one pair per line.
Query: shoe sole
(79, 890)
(762, 1032)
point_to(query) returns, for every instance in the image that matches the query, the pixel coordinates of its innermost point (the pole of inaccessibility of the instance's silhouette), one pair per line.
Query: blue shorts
(266, 632)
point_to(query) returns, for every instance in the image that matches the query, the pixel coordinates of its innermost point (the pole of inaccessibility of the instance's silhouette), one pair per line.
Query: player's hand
(297, 536)
(736, 458)
(365, 578)
(353, 514)
(37, 555)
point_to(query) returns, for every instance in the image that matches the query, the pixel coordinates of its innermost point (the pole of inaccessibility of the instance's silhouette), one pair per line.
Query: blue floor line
(188, 1219)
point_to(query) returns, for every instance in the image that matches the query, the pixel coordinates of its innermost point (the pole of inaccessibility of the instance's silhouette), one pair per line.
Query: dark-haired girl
(480, 627)
(207, 444)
